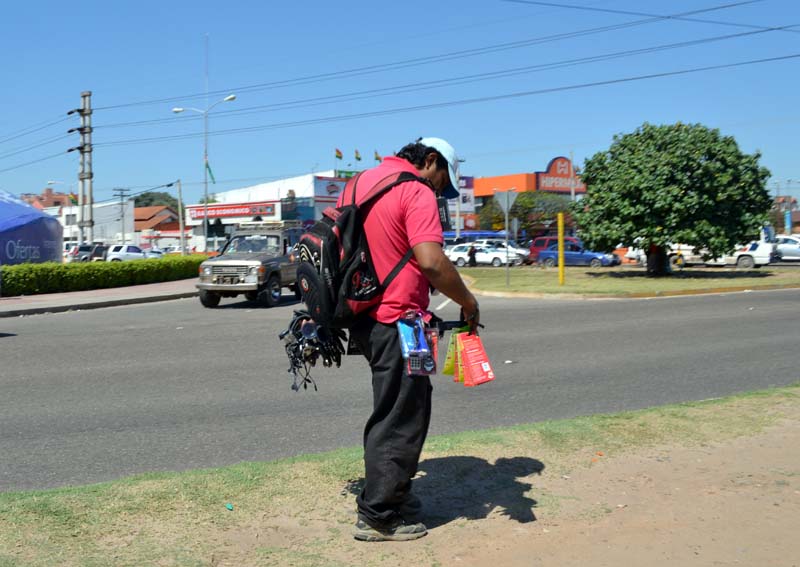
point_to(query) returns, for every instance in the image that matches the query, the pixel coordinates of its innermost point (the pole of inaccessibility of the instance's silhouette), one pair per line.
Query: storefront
(297, 198)
(558, 177)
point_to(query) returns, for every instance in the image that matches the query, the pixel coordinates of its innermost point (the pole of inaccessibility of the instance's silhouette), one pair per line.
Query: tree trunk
(657, 263)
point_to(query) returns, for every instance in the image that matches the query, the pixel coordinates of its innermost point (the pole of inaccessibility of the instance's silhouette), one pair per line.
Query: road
(90, 396)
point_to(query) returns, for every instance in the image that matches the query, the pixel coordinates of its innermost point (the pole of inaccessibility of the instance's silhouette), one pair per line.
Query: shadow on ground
(470, 488)
(3, 335)
(720, 274)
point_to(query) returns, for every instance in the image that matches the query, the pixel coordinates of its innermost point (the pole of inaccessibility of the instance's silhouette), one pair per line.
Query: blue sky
(453, 51)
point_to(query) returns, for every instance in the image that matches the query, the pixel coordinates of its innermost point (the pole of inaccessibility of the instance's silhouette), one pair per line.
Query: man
(404, 217)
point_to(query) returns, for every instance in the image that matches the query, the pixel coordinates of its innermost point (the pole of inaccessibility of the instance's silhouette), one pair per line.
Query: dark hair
(416, 154)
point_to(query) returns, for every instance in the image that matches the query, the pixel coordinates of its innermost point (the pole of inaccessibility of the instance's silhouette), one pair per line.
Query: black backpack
(336, 276)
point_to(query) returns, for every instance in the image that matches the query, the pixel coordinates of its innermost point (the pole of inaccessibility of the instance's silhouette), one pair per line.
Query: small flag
(378, 156)
(211, 174)
(73, 198)
(338, 153)
(358, 156)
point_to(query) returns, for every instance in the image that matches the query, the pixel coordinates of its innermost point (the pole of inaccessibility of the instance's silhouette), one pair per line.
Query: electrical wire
(426, 85)
(425, 60)
(33, 146)
(461, 102)
(19, 165)
(31, 129)
(630, 13)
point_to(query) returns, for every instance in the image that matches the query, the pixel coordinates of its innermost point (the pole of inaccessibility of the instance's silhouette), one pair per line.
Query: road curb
(648, 295)
(95, 304)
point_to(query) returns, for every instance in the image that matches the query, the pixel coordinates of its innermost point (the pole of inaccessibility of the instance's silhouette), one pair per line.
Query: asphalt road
(96, 395)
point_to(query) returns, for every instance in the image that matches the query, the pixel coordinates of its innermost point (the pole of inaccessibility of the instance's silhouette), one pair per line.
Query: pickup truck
(258, 261)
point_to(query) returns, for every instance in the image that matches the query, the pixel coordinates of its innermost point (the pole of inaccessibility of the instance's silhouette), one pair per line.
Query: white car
(500, 244)
(483, 255)
(123, 252)
(788, 246)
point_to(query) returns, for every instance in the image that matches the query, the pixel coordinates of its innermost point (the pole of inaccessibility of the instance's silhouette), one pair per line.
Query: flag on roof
(73, 198)
(378, 156)
(358, 156)
(338, 153)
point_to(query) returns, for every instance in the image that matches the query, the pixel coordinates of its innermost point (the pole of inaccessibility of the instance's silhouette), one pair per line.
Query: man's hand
(443, 276)
(472, 316)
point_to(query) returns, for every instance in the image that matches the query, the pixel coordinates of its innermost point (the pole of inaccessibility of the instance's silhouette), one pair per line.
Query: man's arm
(443, 276)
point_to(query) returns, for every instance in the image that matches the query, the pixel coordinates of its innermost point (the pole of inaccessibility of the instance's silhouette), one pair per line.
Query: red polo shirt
(396, 221)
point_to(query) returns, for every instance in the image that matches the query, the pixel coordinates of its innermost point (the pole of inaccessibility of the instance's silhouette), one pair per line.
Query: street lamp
(178, 110)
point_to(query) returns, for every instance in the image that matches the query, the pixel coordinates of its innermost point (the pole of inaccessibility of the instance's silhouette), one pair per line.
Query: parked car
(85, 252)
(544, 242)
(500, 244)
(576, 255)
(154, 253)
(788, 246)
(123, 252)
(483, 255)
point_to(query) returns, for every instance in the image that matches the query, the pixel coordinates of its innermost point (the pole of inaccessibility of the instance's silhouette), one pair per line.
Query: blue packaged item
(414, 345)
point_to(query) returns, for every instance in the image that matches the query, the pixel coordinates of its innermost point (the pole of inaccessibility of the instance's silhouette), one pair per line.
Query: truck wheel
(208, 298)
(270, 296)
(745, 263)
(497, 262)
(595, 263)
(251, 295)
(549, 263)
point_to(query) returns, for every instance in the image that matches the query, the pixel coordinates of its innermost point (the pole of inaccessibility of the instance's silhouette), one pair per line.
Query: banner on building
(217, 210)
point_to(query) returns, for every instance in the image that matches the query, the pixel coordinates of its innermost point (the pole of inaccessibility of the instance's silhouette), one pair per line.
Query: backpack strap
(379, 189)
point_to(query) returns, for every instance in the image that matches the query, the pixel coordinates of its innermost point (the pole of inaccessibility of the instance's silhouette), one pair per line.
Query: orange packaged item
(474, 360)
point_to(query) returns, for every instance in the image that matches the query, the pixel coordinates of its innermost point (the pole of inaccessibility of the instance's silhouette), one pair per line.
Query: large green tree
(153, 198)
(679, 183)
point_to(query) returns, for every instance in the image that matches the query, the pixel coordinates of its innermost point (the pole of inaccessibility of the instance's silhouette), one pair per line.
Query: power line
(461, 102)
(33, 146)
(19, 165)
(428, 59)
(630, 13)
(31, 129)
(426, 85)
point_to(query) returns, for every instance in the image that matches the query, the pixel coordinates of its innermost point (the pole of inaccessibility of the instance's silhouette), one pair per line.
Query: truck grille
(230, 270)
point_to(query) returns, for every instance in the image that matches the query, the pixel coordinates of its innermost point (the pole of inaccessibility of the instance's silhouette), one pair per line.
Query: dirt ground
(736, 502)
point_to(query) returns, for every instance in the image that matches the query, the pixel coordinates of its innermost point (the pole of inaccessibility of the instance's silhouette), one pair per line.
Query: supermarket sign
(216, 210)
(559, 177)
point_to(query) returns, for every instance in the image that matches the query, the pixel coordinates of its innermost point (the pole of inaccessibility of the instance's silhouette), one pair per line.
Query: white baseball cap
(449, 154)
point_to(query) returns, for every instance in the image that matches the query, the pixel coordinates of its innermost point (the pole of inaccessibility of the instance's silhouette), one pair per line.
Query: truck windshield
(252, 244)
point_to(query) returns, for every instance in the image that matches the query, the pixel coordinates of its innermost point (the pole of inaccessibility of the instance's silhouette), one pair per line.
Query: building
(48, 198)
(296, 198)
(108, 217)
(558, 177)
(157, 227)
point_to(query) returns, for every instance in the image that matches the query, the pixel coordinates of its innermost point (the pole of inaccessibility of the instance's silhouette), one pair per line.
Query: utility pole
(122, 193)
(85, 174)
(180, 216)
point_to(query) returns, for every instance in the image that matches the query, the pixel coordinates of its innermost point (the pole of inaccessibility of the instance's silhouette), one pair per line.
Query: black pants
(396, 430)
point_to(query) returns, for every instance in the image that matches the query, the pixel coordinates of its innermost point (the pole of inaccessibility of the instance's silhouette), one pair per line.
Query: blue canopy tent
(27, 234)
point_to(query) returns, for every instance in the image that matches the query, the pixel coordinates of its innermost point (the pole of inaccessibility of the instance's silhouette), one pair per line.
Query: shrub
(52, 277)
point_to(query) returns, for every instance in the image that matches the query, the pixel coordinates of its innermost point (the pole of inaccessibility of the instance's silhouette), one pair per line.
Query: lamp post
(178, 110)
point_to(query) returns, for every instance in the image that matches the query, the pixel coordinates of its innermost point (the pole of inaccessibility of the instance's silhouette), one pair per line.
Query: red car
(543, 243)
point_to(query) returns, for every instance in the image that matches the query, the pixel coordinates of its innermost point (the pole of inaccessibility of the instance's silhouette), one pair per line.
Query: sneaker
(401, 531)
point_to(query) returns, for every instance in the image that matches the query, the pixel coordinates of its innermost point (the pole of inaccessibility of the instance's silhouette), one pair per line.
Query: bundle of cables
(306, 342)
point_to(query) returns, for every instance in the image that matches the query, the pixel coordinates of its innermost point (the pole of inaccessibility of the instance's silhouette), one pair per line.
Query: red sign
(217, 210)
(559, 178)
